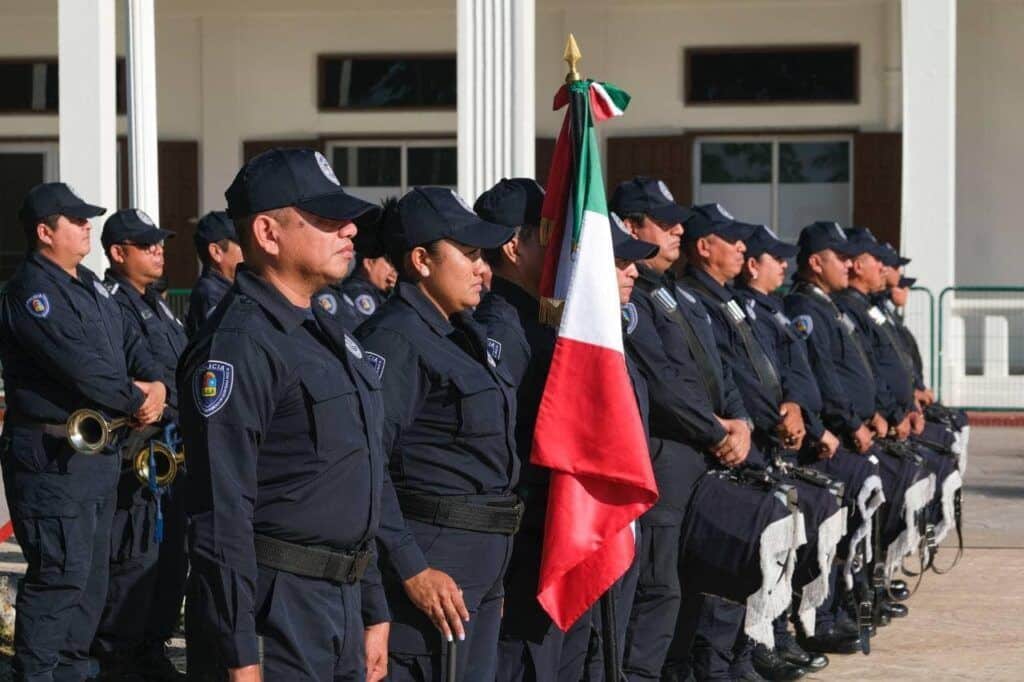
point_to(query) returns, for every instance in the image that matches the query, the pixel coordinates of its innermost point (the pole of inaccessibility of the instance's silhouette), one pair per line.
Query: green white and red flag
(589, 430)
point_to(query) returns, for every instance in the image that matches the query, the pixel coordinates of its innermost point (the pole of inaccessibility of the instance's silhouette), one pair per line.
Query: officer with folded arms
(449, 428)
(282, 417)
(64, 346)
(148, 567)
(219, 253)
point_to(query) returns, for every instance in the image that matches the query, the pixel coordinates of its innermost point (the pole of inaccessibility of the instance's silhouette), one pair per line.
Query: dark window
(31, 86)
(387, 82)
(731, 163)
(432, 166)
(770, 75)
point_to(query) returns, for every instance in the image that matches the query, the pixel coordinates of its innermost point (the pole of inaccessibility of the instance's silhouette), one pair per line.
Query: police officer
(147, 574)
(219, 253)
(531, 647)
(64, 346)
(373, 276)
(282, 420)
(449, 428)
(695, 409)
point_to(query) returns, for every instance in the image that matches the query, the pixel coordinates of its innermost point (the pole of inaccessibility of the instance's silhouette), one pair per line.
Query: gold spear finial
(572, 57)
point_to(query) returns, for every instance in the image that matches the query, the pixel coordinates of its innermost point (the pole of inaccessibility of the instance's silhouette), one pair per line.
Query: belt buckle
(360, 560)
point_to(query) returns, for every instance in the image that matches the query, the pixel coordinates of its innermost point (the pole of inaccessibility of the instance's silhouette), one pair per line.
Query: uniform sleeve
(799, 384)
(837, 410)
(139, 360)
(679, 403)
(374, 601)
(222, 431)
(734, 408)
(69, 353)
(404, 385)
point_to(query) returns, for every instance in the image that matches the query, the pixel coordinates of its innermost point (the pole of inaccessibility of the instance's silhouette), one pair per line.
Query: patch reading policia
(803, 325)
(377, 362)
(211, 386)
(38, 305)
(328, 303)
(494, 348)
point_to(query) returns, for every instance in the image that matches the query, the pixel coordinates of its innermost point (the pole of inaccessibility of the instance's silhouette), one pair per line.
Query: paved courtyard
(967, 625)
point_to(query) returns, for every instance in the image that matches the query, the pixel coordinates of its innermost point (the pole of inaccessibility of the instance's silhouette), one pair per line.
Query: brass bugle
(90, 433)
(167, 463)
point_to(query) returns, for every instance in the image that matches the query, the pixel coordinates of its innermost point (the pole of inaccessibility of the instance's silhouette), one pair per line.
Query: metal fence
(177, 299)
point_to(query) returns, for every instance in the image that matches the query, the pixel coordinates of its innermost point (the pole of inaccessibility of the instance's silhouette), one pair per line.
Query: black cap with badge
(863, 241)
(764, 240)
(713, 219)
(214, 227)
(822, 235)
(512, 202)
(55, 198)
(892, 257)
(650, 197)
(293, 177)
(624, 245)
(431, 213)
(132, 226)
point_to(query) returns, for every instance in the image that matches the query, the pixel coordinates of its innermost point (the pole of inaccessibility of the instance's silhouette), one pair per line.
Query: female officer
(449, 429)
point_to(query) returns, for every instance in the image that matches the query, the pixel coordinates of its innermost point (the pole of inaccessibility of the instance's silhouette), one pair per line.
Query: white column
(220, 147)
(929, 140)
(495, 92)
(88, 142)
(143, 167)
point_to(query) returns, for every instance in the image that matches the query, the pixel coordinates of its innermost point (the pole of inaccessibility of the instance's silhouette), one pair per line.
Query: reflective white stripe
(776, 592)
(916, 498)
(952, 483)
(830, 532)
(869, 499)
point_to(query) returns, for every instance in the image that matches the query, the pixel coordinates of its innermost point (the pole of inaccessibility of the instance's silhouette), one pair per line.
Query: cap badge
(462, 202)
(143, 217)
(721, 209)
(664, 190)
(839, 231)
(326, 169)
(617, 222)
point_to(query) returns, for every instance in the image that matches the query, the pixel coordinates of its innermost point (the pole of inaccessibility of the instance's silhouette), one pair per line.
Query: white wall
(990, 142)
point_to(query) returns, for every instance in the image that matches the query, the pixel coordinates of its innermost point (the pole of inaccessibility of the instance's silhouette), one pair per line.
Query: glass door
(23, 165)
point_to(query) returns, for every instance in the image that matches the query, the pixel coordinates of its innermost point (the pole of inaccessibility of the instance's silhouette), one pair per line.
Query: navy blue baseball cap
(892, 257)
(431, 213)
(213, 227)
(907, 282)
(763, 240)
(650, 197)
(512, 202)
(132, 225)
(711, 219)
(624, 245)
(864, 241)
(293, 177)
(55, 198)
(825, 234)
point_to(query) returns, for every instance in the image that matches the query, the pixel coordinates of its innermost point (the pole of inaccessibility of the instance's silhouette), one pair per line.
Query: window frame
(403, 143)
(690, 52)
(120, 85)
(321, 84)
(774, 139)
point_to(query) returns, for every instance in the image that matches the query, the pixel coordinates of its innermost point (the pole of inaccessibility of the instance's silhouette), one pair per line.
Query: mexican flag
(589, 430)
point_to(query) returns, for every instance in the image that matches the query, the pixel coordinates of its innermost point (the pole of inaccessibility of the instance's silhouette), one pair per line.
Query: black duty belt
(312, 562)
(55, 430)
(502, 515)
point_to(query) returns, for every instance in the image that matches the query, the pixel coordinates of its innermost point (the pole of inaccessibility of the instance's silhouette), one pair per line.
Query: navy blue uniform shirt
(207, 292)
(895, 382)
(789, 354)
(365, 297)
(338, 304)
(521, 344)
(282, 419)
(449, 407)
(904, 336)
(156, 323)
(844, 377)
(720, 302)
(64, 346)
(682, 407)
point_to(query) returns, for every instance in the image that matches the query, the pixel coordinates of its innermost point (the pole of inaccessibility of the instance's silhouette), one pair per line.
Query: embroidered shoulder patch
(353, 347)
(630, 315)
(803, 325)
(328, 303)
(211, 386)
(494, 348)
(377, 362)
(38, 305)
(146, 313)
(365, 304)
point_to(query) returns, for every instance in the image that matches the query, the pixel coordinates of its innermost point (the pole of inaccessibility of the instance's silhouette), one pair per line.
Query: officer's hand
(152, 408)
(375, 639)
(437, 595)
(916, 423)
(879, 425)
(791, 427)
(925, 397)
(735, 447)
(828, 445)
(862, 438)
(250, 673)
(903, 428)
